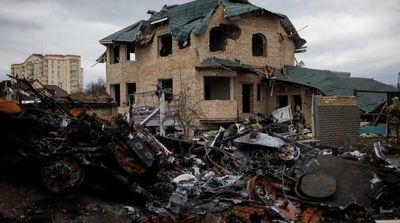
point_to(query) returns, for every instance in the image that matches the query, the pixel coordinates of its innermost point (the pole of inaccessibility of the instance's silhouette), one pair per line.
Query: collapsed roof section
(374, 92)
(329, 84)
(194, 17)
(323, 80)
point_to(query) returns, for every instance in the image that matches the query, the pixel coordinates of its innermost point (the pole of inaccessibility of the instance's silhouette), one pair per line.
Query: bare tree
(96, 88)
(185, 108)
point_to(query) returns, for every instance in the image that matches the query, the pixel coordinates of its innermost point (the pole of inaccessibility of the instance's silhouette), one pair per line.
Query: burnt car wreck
(246, 173)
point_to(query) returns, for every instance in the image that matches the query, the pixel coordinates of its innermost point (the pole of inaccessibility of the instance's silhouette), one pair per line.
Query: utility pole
(163, 106)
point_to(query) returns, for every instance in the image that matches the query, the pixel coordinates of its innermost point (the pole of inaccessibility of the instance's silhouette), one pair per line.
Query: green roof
(368, 84)
(331, 85)
(323, 80)
(128, 34)
(369, 101)
(218, 63)
(194, 17)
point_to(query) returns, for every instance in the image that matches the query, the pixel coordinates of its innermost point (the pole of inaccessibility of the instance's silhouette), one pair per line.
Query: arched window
(259, 44)
(217, 39)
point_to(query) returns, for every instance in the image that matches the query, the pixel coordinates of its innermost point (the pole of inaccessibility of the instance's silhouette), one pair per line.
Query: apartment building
(64, 71)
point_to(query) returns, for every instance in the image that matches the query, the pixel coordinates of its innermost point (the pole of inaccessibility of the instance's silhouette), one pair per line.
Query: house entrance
(247, 96)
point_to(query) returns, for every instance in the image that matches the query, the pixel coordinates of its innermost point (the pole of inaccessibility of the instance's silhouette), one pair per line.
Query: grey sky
(359, 36)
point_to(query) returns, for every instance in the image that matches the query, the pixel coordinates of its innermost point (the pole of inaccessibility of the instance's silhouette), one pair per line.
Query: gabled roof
(194, 17)
(218, 63)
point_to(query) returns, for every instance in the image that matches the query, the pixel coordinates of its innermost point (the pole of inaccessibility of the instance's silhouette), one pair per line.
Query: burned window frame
(162, 46)
(263, 43)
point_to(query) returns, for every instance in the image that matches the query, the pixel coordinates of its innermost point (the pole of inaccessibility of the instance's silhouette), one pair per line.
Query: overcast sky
(357, 36)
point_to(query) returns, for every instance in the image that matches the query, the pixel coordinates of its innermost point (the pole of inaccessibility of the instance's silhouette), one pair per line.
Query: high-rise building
(64, 71)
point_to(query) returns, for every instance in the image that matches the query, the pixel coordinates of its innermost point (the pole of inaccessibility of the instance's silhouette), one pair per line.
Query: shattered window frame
(164, 47)
(218, 40)
(219, 35)
(166, 83)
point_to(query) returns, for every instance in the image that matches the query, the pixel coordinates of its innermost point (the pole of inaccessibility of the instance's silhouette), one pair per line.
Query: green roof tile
(369, 101)
(323, 80)
(195, 16)
(331, 85)
(218, 63)
(129, 34)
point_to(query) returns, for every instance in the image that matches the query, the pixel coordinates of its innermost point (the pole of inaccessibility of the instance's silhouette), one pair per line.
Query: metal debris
(246, 173)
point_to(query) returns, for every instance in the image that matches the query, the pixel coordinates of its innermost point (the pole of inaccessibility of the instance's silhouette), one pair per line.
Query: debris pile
(245, 173)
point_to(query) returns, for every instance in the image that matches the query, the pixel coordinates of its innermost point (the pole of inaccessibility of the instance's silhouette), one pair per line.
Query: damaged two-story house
(236, 59)
(225, 49)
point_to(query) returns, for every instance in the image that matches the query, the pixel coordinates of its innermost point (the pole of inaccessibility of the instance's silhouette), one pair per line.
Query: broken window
(219, 36)
(166, 84)
(165, 42)
(116, 93)
(217, 88)
(259, 44)
(184, 44)
(258, 92)
(130, 52)
(130, 93)
(282, 101)
(115, 54)
(296, 99)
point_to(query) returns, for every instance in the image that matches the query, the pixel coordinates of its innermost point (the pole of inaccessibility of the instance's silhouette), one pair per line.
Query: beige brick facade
(149, 67)
(64, 71)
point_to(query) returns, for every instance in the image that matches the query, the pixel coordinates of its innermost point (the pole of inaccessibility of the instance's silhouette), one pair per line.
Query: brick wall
(337, 120)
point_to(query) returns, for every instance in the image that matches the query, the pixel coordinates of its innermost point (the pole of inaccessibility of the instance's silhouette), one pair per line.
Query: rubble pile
(246, 173)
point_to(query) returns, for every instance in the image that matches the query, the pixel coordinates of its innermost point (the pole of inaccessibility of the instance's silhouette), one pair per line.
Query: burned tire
(62, 174)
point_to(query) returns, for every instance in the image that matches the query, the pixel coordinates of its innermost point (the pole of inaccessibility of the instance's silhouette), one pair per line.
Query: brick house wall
(149, 67)
(336, 120)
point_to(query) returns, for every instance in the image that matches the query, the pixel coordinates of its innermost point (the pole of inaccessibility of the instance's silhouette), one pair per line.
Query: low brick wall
(336, 120)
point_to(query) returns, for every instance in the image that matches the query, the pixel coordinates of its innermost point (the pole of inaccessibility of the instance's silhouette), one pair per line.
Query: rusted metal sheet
(9, 107)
